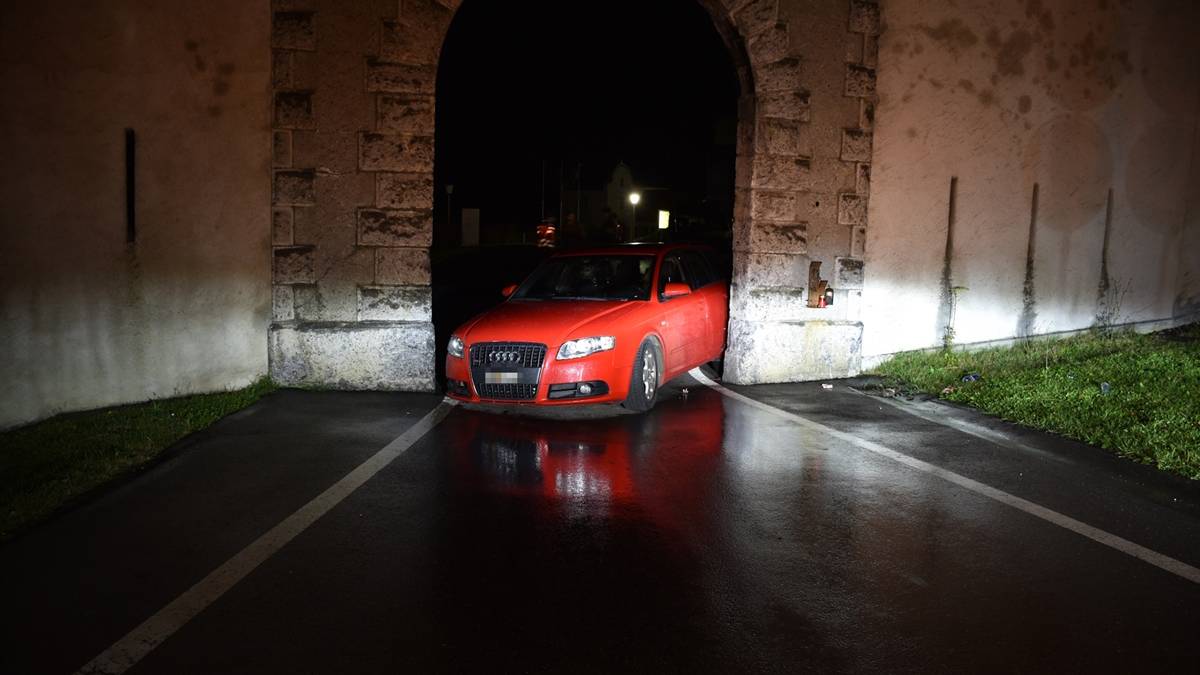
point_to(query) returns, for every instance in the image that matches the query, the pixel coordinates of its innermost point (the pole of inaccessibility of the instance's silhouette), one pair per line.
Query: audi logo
(504, 357)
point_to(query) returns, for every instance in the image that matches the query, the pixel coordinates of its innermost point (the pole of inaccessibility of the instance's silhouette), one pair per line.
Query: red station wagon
(592, 326)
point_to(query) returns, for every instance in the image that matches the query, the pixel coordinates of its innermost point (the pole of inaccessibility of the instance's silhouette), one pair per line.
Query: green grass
(45, 465)
(1150, 414)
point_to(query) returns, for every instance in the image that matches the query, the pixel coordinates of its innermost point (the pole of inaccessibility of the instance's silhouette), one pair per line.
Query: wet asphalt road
(705, 536)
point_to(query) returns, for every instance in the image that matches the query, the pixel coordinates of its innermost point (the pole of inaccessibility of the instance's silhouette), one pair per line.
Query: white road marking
(1176, 567)
(153, 631)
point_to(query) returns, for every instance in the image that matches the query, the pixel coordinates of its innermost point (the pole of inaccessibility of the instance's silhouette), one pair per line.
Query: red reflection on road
(602, 462)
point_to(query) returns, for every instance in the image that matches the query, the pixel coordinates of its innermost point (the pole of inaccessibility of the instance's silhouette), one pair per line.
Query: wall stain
(1025, 325)
(955, 35)
(1011, 51)
(945, 313)
(1104, 313)
(1024, 104)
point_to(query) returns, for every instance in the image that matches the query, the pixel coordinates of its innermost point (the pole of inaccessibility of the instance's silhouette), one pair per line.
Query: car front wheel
(644, 380)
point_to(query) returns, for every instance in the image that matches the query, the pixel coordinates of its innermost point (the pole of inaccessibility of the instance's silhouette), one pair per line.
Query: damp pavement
(708, 535)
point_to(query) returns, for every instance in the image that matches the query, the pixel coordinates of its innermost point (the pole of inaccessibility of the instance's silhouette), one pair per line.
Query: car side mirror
(675, 290)
(509, 290)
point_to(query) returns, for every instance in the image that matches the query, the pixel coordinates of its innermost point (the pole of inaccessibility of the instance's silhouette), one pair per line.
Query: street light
(634, 198)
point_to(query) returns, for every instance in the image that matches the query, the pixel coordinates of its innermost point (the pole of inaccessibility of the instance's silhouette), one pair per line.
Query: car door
(682, 322)
(708, 285)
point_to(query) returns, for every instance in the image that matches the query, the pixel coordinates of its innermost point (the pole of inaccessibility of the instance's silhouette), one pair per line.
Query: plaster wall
(1096, 104)
(87, 319)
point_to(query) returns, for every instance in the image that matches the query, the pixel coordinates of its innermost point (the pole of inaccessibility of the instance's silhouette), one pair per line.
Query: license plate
(501, 378)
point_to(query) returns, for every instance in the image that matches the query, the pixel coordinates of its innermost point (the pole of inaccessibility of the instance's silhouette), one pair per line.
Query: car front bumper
(554, 381)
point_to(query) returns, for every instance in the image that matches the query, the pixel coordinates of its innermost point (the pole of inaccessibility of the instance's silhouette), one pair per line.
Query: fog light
(585, 389)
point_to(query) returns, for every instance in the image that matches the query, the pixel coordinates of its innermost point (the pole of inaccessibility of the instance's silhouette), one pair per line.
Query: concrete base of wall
(761, 352)
(376, 356)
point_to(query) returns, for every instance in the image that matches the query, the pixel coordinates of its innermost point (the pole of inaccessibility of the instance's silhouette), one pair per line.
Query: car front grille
(524, 359)
(508, 354)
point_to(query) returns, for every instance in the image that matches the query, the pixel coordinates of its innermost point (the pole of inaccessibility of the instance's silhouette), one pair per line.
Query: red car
(592, 326)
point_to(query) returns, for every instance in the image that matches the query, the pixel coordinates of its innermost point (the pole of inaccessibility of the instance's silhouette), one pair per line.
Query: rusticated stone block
(770, 45)
(400, 78)
(856, 145)
(852, 209)
(792, 351)
(779, 238)
(860, 81)
(293, 30)
(870, 57)
(403, 190)
(755, 270)
(374, 356)
(295, 187)
(294, 110)
(405, 114)
(281, 149)
(792, 105)
(848, 273)
(781, 75)
(756, 16)
(864, 17)
(774, 303)
(395, 303)
(293, 265)
(862, 179)
(281, 226)
(388, 227)
(416, 36)
(281, 69)
(866, 114)
(395, 152)
(773, 172)
(776, 206)
(783, 137)
(858, 241)
(402, 266)
(283, 303)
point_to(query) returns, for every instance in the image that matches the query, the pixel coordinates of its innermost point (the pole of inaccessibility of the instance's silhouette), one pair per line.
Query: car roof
(651, 248)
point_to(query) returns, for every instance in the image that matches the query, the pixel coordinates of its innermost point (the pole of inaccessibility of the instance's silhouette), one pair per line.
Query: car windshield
(590, 277)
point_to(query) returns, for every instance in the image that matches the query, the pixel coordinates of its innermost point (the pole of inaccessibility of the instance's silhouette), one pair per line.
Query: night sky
(588, 81)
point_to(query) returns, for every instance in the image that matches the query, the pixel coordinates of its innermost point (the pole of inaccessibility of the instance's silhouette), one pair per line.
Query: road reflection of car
(592, 326)
(600, 461)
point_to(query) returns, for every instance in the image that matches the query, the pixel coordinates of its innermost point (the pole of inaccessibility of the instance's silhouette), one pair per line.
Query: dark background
(578, 87)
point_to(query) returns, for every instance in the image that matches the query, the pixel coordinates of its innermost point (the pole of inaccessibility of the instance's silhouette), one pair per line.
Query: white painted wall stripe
(1176, 567)
(153, 631)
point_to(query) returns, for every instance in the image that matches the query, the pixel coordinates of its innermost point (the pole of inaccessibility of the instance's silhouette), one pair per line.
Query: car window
(601, 277)
(699, 272)
(671, 273)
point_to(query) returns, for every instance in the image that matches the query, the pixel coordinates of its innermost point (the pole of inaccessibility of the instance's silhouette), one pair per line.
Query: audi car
(604, 325)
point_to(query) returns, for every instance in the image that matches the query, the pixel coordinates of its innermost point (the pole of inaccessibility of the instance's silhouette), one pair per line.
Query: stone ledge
(761, 352)
(387, 356)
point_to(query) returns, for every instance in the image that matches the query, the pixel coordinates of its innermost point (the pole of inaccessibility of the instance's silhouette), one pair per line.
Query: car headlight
(455, 348)
(574, 349)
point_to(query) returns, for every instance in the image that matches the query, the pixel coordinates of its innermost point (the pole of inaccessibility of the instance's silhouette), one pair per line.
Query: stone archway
(352, 179)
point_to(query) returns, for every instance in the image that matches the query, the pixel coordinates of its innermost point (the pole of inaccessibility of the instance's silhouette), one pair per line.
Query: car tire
(645, 378)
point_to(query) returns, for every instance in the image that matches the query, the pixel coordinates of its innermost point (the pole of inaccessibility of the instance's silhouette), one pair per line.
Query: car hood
(546, 321)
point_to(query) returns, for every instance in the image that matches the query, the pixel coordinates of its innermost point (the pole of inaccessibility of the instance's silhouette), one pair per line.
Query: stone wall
(804, 174)
(87, 318)
(352, 192)
(353, 108)
(1036, 170)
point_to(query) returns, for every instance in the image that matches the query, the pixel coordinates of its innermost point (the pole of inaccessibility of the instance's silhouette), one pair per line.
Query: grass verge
(1136, 395)
(45, 465)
